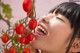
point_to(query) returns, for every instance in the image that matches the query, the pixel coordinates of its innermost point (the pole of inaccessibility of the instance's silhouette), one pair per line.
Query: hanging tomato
(32, 24)
(19, 28)
(5, 38)
(30, 36)
(22, 39)
(12, 50)
(30, 14)
(27, 5)
(26, 50)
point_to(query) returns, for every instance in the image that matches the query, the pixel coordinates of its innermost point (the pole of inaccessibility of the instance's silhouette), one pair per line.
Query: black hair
(72, 12)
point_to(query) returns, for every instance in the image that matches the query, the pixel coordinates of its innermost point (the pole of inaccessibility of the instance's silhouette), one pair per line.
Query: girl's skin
(57, 34)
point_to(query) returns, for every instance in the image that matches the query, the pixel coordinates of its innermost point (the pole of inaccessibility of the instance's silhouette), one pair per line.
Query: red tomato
(25, 31)
(6, 51)
(22, 39)
(26, 50)
(12, 50)
(19, 28)
(30, 37)
(27, 41)
(32, 24)
(5, 38)
(30, 14)
(27, 5)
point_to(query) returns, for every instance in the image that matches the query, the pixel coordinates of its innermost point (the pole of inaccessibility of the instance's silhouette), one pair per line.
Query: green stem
(12, 39)
(34, 12)
(26, 20)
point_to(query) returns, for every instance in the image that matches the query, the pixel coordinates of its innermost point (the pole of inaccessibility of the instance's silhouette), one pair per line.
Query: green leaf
(7, 11)
(9, 16)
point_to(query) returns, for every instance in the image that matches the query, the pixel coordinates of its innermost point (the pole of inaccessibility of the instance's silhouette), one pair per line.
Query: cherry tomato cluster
(17, 38)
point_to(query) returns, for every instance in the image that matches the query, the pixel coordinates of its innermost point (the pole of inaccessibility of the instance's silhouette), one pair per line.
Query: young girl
(59, 31)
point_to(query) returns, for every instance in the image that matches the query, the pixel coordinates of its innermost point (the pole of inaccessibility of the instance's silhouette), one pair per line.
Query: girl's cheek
(51, 22)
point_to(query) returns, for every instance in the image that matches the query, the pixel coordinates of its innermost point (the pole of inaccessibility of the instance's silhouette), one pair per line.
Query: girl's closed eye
(60, 19)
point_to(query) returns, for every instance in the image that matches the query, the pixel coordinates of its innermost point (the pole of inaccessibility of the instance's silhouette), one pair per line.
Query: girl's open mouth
(41, 29)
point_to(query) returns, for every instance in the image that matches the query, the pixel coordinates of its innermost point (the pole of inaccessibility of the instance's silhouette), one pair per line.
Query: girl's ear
(75, 46)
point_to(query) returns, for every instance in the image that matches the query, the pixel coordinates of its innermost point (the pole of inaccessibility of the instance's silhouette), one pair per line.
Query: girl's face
(52, 34)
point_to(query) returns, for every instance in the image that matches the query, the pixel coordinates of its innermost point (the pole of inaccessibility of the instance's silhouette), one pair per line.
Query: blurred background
(42, 8)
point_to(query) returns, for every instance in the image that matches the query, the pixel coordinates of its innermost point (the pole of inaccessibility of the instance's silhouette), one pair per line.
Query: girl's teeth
(42, 30)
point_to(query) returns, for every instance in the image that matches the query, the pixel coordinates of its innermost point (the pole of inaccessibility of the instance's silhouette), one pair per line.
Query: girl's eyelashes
(60, 19)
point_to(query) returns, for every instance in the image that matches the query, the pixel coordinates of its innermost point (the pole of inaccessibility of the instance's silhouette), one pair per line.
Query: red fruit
(22, 39)
(30, 14)
(27, 5)
(26, 50)
(25, 31)
(27, 41)
(19, 28)
(12, 50)
(6, 51)
(32, 24)
(5, 38)
(30, 37)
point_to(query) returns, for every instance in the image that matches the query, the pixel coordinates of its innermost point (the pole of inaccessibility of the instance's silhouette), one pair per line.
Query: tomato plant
(17, 37)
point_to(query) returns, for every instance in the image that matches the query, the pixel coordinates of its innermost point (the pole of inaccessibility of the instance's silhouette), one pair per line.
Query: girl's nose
(45, 19)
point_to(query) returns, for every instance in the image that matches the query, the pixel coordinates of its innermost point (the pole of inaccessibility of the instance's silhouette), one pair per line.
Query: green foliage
(6, 10)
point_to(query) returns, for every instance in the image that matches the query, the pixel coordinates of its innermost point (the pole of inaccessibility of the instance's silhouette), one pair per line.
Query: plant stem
(7, 22)
(1, 17)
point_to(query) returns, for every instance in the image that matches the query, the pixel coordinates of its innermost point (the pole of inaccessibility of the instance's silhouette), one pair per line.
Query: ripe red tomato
(6, 51)
(19, 28)
(27, 41)
(32, 24)
(30, 37)
(26, 31)
(22, 39)
(26, 50)
(5, 38)
(30, 14)
(12, 50)
(27, 5)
